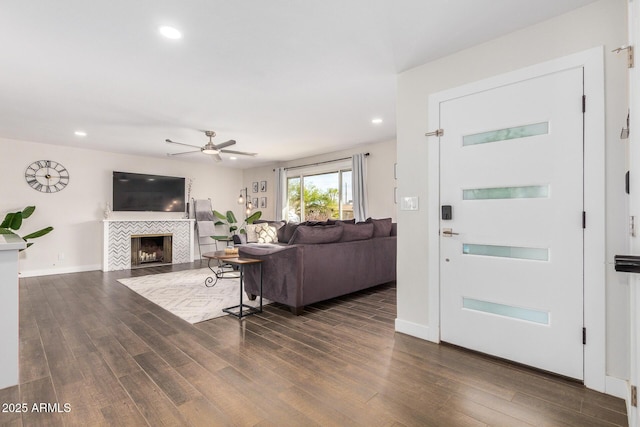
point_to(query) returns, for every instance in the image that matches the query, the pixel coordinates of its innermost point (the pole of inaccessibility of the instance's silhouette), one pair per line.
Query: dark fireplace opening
(151, 249)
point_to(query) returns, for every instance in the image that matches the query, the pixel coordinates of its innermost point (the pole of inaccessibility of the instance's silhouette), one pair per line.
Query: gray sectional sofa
(316, 262)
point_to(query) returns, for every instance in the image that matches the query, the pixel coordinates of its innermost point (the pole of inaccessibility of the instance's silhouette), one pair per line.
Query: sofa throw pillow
(285, 233)
(381, 227)
(267, 233)
(353, 232)
(307, 234)
(252, 234)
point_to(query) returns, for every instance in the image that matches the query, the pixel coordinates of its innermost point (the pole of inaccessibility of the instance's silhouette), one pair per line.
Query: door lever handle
(449, 232)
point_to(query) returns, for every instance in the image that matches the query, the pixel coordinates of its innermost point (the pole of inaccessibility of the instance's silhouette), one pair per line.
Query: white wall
(76, 213)
(380, 177)
(264, 173)
(600, 23)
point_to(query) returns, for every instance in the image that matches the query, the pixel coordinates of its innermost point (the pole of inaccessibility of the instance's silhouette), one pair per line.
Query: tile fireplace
(169, 241)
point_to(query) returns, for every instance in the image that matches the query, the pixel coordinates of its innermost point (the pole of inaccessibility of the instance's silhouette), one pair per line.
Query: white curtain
(281, 194)
(360, 199)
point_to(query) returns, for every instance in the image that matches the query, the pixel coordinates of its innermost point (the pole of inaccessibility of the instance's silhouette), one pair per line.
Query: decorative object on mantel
(107, 210)
(47, 176)
(13, 221)
(189, 184)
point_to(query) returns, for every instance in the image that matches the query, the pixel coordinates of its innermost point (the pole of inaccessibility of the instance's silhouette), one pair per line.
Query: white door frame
(634, 151)
(594, 198)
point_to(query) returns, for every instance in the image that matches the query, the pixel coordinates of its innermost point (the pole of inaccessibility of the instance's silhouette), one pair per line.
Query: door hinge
(634, 396)
(584, 219)
(584, 336)
(630, 58)
(584, 103)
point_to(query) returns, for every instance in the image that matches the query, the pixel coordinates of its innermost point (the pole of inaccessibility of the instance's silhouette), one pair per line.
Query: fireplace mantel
(117, 239)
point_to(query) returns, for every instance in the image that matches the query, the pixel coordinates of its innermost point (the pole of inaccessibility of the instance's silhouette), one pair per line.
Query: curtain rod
(321, 163)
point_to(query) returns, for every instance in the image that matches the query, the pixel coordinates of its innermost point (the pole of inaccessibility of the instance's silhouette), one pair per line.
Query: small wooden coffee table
(223, 270)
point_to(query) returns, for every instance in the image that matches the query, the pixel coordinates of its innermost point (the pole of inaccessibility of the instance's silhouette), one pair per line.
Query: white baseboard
(617, 387)
(414, 329)
(64, 270)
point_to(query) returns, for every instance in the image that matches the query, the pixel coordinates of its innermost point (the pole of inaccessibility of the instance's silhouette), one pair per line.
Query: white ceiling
(285, 78)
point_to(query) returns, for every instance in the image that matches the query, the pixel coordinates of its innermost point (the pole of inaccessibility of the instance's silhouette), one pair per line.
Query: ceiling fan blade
(225, 144)
(217, 158)
(242, 153)
(185, 152)
(181, 143)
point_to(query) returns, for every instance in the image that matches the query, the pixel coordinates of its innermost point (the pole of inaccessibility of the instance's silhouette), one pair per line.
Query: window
(325, 195)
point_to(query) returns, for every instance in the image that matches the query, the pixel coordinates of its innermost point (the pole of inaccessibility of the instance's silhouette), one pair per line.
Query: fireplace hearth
(151, 249)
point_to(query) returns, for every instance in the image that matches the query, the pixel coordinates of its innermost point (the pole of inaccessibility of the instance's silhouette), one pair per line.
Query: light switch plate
(409, 204)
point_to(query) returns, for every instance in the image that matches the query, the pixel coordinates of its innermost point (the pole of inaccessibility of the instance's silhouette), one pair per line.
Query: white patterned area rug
(184, 294)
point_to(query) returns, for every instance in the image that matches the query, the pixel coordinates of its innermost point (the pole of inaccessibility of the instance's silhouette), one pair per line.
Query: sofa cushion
(359, 231)
(306, 234)
(266, 233)
(252, 234)
(286, 232)
(315, 223)
(341, 221)
(381, 227)
(276, 224)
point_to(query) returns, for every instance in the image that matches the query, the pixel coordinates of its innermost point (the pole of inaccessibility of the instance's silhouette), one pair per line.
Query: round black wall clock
(47, 176)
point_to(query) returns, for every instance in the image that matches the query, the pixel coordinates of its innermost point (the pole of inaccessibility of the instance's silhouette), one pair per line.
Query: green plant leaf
(38, 233)
(7, 220)
(6, 231)
(16, 221)
(232, 228)
(218, 223)
(220, 237)
(253, 217)
(26, 212)
(243, 231)
(219, 215)
(231, 217)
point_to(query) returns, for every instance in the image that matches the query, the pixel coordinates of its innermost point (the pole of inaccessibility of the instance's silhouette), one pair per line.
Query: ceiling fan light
(210, 151)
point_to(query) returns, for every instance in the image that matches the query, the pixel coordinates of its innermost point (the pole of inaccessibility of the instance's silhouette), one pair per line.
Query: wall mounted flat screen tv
(147, 193)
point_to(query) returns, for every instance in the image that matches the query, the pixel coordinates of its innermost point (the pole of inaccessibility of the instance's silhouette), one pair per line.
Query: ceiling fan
(210, 148)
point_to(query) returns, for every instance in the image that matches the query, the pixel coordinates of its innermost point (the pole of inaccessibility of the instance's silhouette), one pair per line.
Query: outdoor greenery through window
(325, 195)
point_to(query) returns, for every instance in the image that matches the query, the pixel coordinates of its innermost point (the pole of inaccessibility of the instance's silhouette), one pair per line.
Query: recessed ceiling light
(170, 33)
(80, 133)
(233, 158)
(376, 121)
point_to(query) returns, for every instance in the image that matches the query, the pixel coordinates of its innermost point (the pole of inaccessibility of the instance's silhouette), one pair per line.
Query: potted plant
(230, 220)
(13, 221)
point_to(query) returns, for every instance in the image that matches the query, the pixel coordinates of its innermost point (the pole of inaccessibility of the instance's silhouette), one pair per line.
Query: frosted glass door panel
(537, 254)
(519, 313)
(505, 134)
(526, 192)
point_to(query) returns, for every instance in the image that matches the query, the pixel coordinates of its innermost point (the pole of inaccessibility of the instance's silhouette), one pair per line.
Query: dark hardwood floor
(107, 356)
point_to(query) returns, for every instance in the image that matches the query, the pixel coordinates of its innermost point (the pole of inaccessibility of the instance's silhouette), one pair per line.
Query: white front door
(511, 269)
